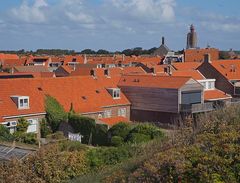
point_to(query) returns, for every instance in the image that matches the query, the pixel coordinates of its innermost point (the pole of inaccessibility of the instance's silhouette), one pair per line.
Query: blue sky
(117, 24)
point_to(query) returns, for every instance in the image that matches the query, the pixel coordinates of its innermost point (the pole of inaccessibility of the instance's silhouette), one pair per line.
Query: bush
(72, 146)
(147, 129)
(28, 138)
(121, 129)
(5, 135)
(100, 135)
(103, 156)
(55, 113)
(56, 136)
(44, 128)
(83, 125)
(117, 141)
(138, 138)
(22, 125)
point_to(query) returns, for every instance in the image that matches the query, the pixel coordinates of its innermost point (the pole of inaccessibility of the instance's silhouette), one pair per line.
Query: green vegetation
(209, 152)
(44, 128)
(83, 125)
(5, 134)
(55, 113)
(53, 164)
(20, 135)
(206, 151)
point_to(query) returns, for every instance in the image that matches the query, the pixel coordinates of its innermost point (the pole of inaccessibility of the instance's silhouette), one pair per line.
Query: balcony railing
(196, 108)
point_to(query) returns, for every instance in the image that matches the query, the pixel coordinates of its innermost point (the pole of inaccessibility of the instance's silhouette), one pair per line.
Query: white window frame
(209, 84)
(108, 113)
(116, 93)
(24, 104)
(122, 112)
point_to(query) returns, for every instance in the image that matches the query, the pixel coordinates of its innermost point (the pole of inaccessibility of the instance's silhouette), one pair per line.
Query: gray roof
(162, 50)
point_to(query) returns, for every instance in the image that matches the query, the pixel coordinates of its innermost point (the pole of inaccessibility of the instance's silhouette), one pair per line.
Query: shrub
(83, 125)
(29, 138)
(5, 135)
(72, 146)
(100, 135)
(121, 129)
(55, 113)
(147, 129)
(44, 128)
(56, 136)
(138, 138)
(117, 141)
(22, 125)
(103, 156)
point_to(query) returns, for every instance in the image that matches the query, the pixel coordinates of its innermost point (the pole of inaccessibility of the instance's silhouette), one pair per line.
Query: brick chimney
(207, 58)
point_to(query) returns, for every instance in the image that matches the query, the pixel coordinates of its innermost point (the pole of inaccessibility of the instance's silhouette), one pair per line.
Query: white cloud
(150, 10)
(218, 26)
(31, 13)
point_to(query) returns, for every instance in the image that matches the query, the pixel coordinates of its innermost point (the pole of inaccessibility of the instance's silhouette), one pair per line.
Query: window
(204, 85)
(211, 85)
(32, 128)
(116, 93)
(108, 113)
(23, 102)
(122, 112)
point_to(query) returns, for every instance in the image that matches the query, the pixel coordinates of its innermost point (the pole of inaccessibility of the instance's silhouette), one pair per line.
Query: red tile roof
(186, 65)
(197, 55)
(228, 68)
(153, 81)
(114, 120)
(85, 93)
(8, 56)
(212, 95)
(195, 74)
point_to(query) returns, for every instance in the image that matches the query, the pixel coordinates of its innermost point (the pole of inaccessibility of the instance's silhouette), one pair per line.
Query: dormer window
(22, 102)
(115, 92)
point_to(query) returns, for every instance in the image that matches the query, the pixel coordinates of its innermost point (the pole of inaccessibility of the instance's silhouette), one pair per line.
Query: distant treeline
(128, 52)
(133, 51)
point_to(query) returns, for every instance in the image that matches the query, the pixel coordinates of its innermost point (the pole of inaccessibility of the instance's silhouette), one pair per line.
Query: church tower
(192, 38)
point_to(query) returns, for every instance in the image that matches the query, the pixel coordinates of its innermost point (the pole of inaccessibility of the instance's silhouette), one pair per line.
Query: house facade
(163, 99)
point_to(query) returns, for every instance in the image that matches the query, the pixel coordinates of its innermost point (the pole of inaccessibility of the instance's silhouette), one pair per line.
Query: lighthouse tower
(192, 38)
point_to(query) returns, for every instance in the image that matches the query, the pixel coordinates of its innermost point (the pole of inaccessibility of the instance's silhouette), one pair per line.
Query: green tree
(44, 128)
(83, 125)
(121, 129)
(22, 125)
(5, 134)
(55, 113)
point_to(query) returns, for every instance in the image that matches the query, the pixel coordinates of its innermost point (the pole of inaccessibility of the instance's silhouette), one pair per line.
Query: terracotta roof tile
(153, 81)
(228, 68)
(114, 120)
(212, 95)
(186, 65)
(195, 74)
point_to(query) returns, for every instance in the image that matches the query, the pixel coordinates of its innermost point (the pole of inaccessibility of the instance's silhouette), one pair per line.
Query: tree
(22, 125)
(5, 135)
(224, 55)
(102, 52)
(88, 51)
(121, 129)
(55, 113)
(83, 125)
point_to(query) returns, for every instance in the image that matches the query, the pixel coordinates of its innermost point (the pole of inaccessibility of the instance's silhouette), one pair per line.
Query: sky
(117, 24)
